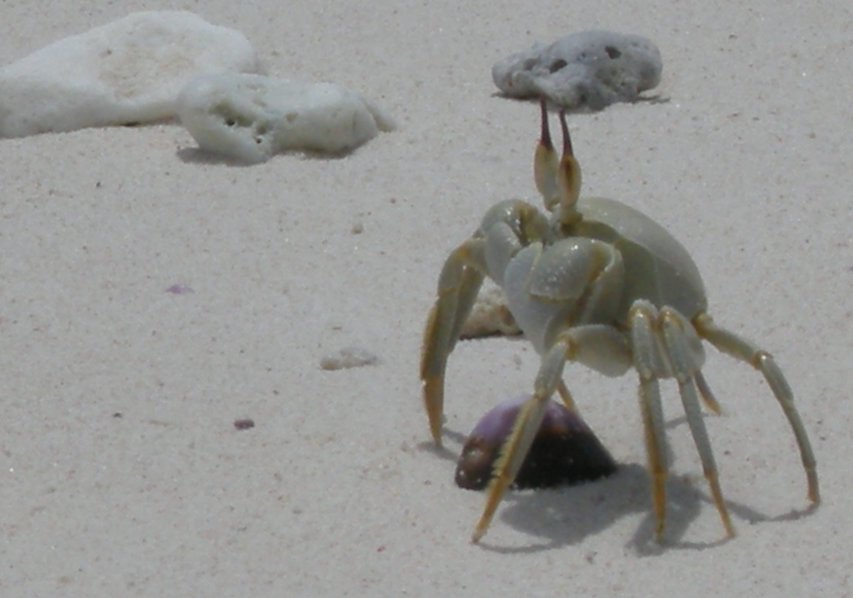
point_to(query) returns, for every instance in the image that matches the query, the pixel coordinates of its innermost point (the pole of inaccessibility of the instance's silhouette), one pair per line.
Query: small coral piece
(125, 72)
(348, 357)
(252, 117)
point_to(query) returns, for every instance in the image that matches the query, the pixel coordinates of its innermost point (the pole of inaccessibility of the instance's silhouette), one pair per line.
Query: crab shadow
(743, 512)
(566, 516)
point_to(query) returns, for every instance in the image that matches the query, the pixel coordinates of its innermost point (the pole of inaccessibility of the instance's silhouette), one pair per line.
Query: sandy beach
(121, 470)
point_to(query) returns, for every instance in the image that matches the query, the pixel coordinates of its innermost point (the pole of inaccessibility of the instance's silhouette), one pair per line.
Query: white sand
(335, 491)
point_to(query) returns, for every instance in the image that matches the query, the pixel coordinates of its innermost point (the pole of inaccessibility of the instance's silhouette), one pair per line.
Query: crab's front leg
(506, 227)
(573, 280)
(458, 285)
(597, 346)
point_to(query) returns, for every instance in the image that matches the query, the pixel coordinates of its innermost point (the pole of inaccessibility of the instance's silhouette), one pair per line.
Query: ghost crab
(601, 284)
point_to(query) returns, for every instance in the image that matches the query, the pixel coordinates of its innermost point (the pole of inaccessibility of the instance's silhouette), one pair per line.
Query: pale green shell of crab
(659, 268)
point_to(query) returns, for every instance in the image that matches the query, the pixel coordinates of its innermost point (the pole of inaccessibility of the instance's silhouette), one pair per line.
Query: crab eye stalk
(558, 180)
(545, 164)
(568, 178)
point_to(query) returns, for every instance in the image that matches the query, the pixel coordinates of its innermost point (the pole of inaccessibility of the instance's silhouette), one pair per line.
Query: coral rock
(252, 117)
(586, 69)
(128, 71)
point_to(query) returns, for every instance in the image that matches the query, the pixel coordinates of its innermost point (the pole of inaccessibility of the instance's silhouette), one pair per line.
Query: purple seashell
(564, 452)
(179, 289)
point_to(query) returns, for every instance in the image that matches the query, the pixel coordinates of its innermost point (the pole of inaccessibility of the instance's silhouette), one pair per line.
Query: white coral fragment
(128, 71)
(586, 69)
(252, 117)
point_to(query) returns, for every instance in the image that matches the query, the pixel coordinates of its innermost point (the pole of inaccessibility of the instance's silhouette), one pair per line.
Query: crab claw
(558, 180)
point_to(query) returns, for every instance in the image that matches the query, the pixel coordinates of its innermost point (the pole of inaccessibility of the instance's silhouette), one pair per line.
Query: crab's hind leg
(742, 349)
(685, 356)
(458, 286)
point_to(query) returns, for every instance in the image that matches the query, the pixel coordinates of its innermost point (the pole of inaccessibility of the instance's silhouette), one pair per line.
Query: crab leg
(740, 348)
(566, 395)
(684, 369)
(458, 285)
(574, 345)
(649, 364)
(706, 394)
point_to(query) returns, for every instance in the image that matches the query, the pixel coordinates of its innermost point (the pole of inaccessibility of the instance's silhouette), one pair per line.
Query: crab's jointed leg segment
(458, 285)
(566, 395)
(707, 396)
(666, 345)
(648, 362)
(675, 333)
(740, 348)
